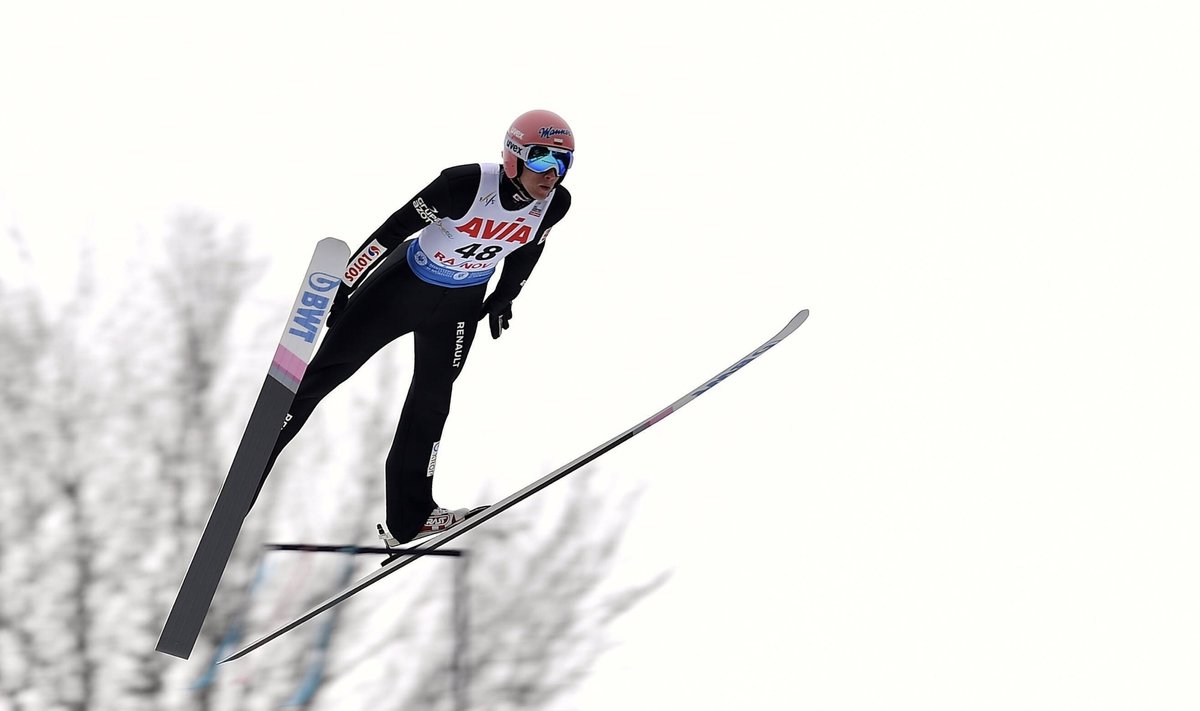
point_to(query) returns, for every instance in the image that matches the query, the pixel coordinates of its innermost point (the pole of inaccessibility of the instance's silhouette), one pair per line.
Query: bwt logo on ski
(307, 319)
(322, 282)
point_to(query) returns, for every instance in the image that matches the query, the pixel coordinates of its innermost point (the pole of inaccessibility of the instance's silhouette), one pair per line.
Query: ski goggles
(540, 159)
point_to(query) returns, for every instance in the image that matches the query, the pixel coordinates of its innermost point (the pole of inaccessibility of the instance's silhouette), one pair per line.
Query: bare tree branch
(25, 331)
(533, 633)
(118, 435)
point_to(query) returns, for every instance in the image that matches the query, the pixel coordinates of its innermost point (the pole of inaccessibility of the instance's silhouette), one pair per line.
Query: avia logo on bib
(502, 230)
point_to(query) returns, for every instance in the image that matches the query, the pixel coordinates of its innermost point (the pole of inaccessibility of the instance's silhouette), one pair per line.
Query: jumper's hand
(499, 313)
(339, 303)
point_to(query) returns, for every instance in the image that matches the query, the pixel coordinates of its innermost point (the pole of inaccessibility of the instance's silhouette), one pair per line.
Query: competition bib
(465, 252)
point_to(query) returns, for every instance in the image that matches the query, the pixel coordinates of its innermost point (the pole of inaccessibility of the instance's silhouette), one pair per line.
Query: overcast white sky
(969, 481)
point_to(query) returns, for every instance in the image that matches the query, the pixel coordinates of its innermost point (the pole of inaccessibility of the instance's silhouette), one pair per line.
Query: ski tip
(330, 242)
(796, 321)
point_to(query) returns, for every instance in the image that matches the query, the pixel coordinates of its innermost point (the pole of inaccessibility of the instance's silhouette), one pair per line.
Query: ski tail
(295, 349)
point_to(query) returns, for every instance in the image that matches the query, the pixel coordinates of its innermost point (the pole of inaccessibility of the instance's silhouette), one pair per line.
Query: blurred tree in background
(120, 413)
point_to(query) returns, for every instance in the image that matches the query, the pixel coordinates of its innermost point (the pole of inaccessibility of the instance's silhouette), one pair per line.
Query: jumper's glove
(499, 313)
(339, 305)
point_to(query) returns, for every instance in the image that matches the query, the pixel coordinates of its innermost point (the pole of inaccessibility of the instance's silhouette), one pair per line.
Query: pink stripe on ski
(288, 367)
(659, 417)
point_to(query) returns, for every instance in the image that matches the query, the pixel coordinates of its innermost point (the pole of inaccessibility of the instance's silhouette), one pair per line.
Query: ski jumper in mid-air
(470, 218)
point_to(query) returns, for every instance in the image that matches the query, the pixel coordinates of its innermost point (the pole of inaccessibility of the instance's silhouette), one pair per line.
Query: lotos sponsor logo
(498, 230)
(306, 321)
(358, 266)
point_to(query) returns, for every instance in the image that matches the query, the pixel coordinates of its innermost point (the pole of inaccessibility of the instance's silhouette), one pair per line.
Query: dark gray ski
(225, 522)
(489, 512)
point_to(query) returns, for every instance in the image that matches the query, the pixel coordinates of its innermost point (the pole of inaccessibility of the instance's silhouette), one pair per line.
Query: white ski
(525, 493)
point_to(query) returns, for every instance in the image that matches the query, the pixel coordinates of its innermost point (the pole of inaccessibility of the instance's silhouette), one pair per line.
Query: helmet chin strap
(520, 194)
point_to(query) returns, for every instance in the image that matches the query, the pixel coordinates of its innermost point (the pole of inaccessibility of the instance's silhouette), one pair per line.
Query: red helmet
(535, 128)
